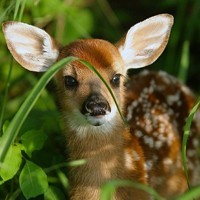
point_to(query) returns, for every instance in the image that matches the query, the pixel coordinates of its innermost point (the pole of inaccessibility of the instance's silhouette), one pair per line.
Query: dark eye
(70, 82)
(116, 80)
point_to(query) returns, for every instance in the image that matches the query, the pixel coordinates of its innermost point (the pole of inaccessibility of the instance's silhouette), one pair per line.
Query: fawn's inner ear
(35, 50)
(32, 47)
(145, 41)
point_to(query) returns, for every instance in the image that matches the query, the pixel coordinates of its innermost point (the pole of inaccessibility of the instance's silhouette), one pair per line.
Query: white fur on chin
(83, 125)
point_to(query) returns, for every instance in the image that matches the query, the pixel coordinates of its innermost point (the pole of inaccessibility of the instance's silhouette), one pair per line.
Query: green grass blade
(73, 163)
(2, 113)
(17, 11)
(22, 9)
(16, 123)
(7, 11)
(17, 7)
(185, 138)
(109, 13)
(108, 189)
(185, 58)
(190, 195)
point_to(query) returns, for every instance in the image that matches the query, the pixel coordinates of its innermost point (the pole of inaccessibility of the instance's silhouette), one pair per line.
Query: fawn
(154, 103)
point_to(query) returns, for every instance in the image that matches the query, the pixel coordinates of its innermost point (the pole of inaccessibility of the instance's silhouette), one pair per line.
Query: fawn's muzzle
(96, 105)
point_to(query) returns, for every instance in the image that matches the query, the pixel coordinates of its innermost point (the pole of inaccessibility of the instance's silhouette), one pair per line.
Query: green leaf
(11, 164)
(54, 193)
(33, 140)
(33, 180)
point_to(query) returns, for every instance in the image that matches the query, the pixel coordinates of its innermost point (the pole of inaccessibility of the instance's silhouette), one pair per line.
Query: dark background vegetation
(69, 20)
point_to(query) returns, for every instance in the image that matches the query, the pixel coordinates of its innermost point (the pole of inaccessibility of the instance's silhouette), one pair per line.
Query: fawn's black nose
(96, 105)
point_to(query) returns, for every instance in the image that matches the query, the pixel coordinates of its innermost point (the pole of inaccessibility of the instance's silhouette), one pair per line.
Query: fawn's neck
(102, 157)
(99, 150)
(106, 159)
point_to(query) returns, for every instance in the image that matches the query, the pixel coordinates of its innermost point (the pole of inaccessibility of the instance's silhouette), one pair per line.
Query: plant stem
(5, 96)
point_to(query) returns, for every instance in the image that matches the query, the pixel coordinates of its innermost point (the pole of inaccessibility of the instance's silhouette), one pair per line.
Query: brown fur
(106, 155)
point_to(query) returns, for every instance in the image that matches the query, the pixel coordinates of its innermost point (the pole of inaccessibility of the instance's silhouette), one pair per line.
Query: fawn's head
(84, 97)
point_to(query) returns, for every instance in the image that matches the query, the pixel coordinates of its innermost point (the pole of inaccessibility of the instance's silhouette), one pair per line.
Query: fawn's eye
(116, 80)
(70, 82)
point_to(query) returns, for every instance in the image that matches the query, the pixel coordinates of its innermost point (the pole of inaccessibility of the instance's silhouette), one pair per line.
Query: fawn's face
(85, 100)
(84, 97)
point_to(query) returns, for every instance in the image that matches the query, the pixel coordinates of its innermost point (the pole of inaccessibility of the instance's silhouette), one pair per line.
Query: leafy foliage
(33, 180)
(33, 140)
(11, 163)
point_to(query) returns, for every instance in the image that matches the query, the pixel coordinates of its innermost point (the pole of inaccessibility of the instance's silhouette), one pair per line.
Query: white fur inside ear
(145, 41)
(32, 47)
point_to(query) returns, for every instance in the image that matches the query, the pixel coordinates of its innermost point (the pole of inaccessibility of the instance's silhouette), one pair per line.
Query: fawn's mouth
(97, 119)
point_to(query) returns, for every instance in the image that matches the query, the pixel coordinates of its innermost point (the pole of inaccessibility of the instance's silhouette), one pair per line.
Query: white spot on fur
(136, 156)
(128, 161)
(158, 144)
(171, 99)
(149, 165)
(149, 141)
(138, 133)
(130, 110)
(167, 161)
(191, 153)
(195, 142)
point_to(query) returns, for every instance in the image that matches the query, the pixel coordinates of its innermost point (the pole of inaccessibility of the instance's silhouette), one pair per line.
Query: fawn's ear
(32, 47)
(145, 41)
